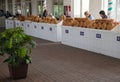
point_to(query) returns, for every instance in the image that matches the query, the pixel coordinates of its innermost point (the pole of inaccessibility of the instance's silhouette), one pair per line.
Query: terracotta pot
(18, 72)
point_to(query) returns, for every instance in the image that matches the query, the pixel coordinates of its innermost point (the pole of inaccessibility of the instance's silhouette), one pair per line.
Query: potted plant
(17, 46)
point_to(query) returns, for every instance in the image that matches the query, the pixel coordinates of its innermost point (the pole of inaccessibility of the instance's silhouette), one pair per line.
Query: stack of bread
(68, 22)
(38, 19)
(62, 17)
(78, 22)
(21, 18)
(45, 20)
(104, 24)
(33, 18)
(53, 21)
(82, 22)
(49, 20)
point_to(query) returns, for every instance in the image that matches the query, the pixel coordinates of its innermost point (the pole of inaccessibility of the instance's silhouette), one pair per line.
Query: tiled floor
(54, 62)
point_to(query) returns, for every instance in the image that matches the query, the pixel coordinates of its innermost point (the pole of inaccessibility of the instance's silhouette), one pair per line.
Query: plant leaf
(22, 52)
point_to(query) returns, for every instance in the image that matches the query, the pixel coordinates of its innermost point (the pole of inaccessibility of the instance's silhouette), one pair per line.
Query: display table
(99, 41)
(26, 25)
(17, 23)
(51, 32)
(9, 23)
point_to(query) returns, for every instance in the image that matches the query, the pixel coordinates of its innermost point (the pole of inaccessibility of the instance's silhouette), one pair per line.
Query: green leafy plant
(17, 45)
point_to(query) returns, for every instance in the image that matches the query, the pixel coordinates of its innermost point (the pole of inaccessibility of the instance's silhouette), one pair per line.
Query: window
(77, 8)
(2, 4)
(28, 8)
(18, 6)
(41, 4)
(80, 6)
(58, 8)
(105, 6)
(85, 6)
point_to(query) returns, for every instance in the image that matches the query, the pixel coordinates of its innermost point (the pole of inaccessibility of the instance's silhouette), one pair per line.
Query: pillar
(6, 5)
(13, 3)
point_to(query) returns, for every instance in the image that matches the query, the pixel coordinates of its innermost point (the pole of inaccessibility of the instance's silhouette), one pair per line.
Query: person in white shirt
(88, 15)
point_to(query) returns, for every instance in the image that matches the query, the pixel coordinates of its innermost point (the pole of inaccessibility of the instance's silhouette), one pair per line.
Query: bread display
(104, 20)
(109, 26)
(63, 17)
(103, 24)
(38, 19)
(76, 23)
(21, 18)
(94, 25)
(99, 25)
(90, 23)
(53, 21)
(68, 22)
(106, 24)
(104, 27)
(81, 23)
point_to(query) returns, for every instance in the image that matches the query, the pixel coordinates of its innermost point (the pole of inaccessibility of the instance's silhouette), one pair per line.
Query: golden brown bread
(21, 18)
(110, 26)
(75, 23)
(103, 25)
(62, 17)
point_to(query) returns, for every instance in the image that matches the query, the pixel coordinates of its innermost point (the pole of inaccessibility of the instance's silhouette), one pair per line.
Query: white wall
(95, 7)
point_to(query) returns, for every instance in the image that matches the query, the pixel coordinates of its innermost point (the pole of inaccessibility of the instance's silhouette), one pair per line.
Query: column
(13, 3)
(6, 5)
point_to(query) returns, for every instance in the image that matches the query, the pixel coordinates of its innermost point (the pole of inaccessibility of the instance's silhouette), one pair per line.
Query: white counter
(99, 41)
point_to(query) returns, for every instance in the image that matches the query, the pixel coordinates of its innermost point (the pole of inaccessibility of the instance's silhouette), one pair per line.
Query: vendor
(45, 13)
(8, 14)
(88, 15)
(103, 15)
